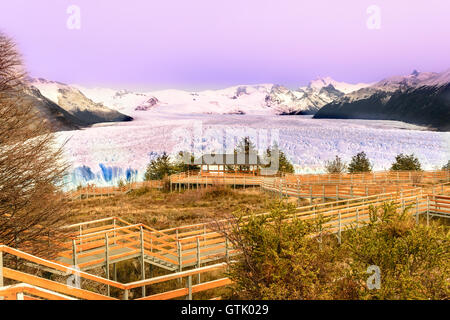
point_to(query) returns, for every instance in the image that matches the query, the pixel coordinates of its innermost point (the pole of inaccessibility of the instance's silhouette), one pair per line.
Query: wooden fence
(187, 250)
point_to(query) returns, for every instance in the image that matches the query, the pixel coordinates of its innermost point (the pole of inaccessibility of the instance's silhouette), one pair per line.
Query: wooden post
(1, 269)
(180, 257)
(189, 286)
(339, 234)
(198, 258)
(81, 233)
(310, 194)
(125, 294)
(417, 210)
(337, 192)
(142, 260)
(428, 210)
(107, 260)
(227, 254)
(357, 218)
(74, 252)
(114, 233)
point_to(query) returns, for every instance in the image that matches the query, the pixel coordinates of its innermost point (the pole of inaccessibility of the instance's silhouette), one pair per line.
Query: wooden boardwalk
(190, 251)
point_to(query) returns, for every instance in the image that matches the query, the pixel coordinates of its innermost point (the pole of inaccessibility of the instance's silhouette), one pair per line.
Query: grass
(162, 210)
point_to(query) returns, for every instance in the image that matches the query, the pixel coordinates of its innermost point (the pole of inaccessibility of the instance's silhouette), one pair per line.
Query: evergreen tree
(335, 166)
(182, 166)
(360, 163)
(447, 166)
(406, 163)
(245, 146)
(284, 165)
(160, 167)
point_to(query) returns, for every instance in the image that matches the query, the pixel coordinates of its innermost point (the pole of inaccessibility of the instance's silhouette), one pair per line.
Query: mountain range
(421, 98)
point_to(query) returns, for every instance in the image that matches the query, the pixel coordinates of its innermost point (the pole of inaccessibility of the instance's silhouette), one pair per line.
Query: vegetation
(360, 163)
(31, 168)
(166, 210)
(279, 260)
(160, 168)
(447, 166)
(284, 165)
(282, 261)
(406, 163)
(336, 166)
(413, 259)
(163, 166)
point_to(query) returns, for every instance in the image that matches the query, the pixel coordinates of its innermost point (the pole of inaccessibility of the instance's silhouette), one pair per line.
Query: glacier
(104, 154)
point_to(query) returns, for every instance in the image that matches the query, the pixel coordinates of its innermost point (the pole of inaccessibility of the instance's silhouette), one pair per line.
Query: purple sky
(215, 43)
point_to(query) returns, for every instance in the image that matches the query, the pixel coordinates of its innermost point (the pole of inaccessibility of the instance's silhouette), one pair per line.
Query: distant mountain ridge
(243, 99)
(421, 98)
(67, 108)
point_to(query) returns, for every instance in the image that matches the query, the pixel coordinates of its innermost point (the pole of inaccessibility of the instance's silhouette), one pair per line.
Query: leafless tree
(32, 208)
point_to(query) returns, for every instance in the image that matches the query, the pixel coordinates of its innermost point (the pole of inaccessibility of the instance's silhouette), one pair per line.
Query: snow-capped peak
(344, 87)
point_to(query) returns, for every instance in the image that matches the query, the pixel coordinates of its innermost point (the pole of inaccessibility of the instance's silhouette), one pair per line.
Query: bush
(282, 260)
(335, 166)
(406, 163)
(360, 163)
(413, 259)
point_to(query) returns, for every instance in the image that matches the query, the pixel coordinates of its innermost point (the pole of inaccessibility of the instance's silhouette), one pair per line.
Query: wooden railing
(32, 287)
(106, 241)
(373, 177)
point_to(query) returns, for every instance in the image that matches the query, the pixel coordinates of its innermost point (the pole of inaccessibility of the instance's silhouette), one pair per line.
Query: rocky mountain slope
(57, 118)
(421, 98)
(75, 107)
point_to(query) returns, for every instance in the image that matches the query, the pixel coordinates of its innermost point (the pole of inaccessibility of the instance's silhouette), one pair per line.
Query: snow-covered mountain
(420, 98)
(344, 87)
(72, 101)
(244, 99)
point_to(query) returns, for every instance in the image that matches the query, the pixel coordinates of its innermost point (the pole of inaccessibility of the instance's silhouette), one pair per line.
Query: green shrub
(406, 163)
(335, 166)
(360, 163)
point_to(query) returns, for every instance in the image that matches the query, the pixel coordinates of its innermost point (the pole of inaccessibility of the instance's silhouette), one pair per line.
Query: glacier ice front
(103, 176)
